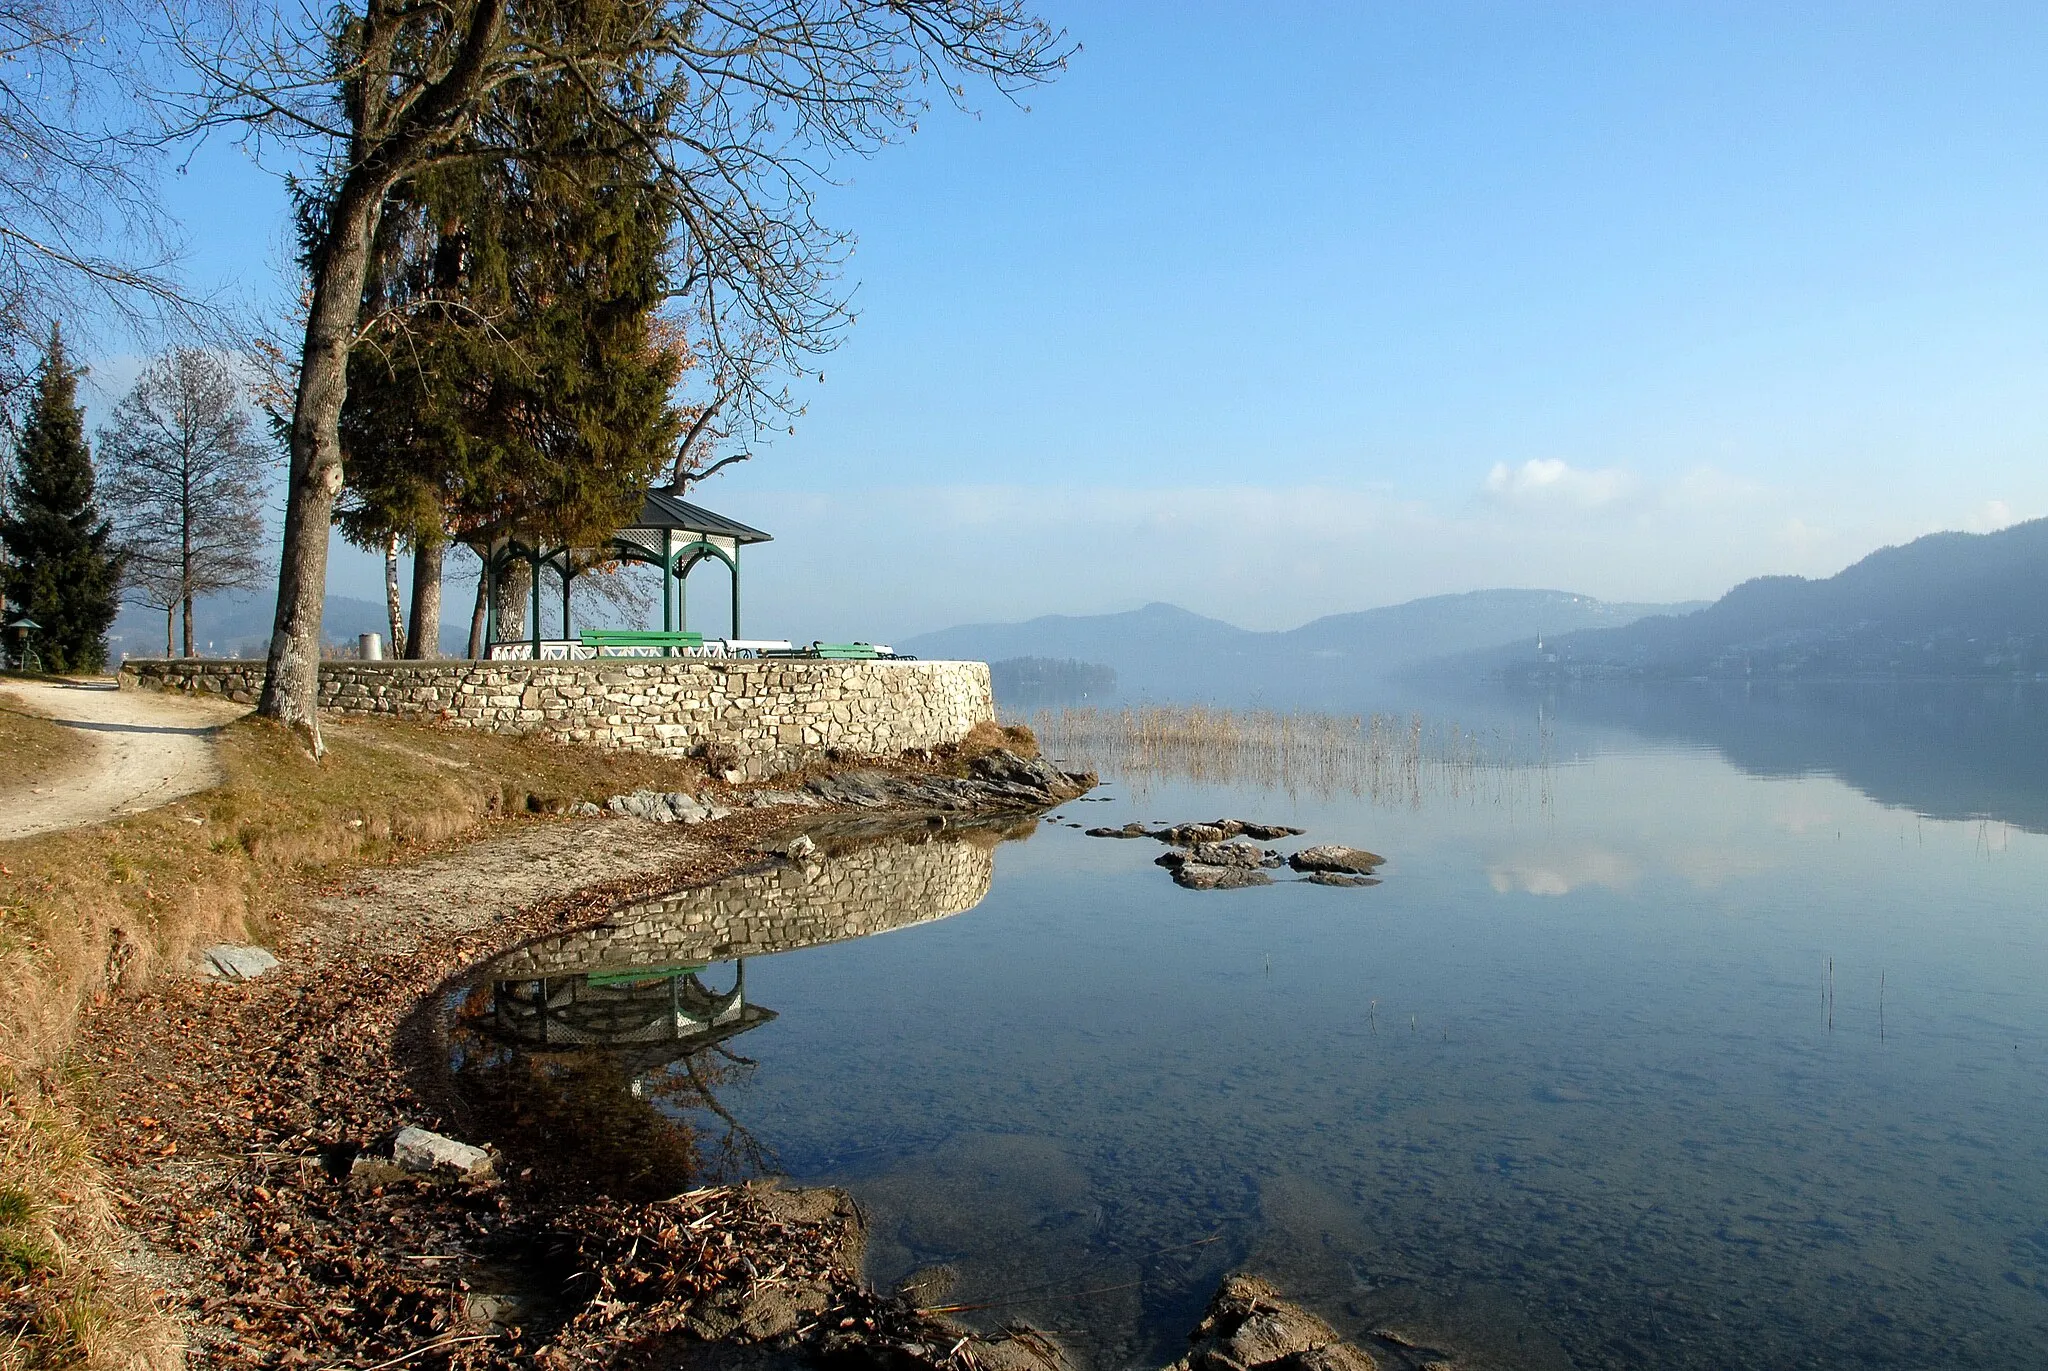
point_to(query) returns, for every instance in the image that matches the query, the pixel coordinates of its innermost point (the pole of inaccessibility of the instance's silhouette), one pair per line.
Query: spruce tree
(62, 570)
(523, 381)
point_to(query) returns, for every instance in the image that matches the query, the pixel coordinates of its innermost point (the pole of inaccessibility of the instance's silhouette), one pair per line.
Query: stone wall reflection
(849, 895)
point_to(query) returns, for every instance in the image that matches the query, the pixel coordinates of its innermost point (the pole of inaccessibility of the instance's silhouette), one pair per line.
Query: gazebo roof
(664, 510)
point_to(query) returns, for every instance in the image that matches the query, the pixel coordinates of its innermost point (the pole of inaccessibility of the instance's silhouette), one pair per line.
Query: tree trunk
(291, 689)
(394, 608)
(424, 642)
(170, 627)
(480, 616)
(188, 623)
(514, 591)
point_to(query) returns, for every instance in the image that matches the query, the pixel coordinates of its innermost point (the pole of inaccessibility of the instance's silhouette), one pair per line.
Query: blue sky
(1285, 310)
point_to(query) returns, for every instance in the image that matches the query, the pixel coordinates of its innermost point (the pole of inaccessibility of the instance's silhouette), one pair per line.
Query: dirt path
(146, 750)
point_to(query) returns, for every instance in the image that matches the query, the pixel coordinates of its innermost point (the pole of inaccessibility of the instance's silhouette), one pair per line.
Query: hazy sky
(1276, 311)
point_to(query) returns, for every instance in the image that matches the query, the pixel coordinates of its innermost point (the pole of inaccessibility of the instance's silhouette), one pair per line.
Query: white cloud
(1991, 516)
(1550, 482)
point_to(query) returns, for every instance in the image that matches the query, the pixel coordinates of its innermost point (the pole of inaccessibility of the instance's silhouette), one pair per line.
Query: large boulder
(1249, 1326)
(1354, 861)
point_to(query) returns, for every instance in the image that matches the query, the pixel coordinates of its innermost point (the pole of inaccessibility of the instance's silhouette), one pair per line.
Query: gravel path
(146, 750)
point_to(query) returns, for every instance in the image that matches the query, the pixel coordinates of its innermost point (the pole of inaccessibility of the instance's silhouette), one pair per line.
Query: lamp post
(22, 631)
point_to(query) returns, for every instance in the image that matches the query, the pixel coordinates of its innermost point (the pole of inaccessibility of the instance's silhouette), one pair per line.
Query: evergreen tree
(63, 571)
(523, 378)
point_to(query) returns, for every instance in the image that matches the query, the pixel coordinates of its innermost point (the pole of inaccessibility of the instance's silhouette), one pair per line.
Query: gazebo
(670, 533)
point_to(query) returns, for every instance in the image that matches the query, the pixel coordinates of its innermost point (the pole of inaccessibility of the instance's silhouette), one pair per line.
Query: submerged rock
(1338, 878)
(231, 962)
(1336, 857)
(1127, 831)
(1248, 1325)
(1199, 876)
(1265, 833)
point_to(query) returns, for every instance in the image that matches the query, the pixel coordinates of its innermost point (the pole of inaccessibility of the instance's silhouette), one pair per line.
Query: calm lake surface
(1672, 1050)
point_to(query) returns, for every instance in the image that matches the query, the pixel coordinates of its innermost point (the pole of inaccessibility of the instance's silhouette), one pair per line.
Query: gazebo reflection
(610, 1080)
(663, 1007)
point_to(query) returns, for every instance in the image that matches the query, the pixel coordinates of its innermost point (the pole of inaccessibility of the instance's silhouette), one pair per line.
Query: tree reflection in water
(609, 1082)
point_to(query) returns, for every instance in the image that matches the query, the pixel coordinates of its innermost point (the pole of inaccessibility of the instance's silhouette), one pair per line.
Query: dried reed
(1389, 759)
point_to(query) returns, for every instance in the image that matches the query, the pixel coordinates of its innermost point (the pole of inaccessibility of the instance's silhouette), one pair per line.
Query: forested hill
(1169, 653)
(1947, 605)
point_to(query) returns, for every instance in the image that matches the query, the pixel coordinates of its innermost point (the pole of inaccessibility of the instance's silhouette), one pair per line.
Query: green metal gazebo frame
(670, 533)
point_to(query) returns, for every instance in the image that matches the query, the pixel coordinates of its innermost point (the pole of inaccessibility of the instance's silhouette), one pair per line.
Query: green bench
(834, 652)
(639, 639)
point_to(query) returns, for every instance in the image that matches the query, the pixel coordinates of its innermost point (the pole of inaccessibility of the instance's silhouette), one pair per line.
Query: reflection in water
(598, 1057)
(1945, 750)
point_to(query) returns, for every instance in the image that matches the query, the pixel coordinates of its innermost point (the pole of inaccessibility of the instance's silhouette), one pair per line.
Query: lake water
(1675, 1050)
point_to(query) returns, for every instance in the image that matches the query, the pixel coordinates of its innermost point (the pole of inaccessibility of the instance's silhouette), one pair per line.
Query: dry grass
(87, 913)
(1388, 759)
(989, 736)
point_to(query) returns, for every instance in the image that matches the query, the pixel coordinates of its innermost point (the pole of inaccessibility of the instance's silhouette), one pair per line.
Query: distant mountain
(1166, 652)
(238, 625)
(1947, 605)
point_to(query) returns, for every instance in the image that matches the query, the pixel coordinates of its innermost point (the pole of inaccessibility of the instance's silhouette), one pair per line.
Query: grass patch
(88, 913)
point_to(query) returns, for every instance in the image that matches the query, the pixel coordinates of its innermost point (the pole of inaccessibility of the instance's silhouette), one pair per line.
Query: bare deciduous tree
(183, 479)
(742, 105)
(80, 231)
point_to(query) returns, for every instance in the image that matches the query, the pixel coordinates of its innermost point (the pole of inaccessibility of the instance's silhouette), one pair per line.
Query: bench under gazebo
(670, 533)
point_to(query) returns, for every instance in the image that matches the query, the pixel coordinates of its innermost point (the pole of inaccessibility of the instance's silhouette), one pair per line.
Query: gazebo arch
(670, 533)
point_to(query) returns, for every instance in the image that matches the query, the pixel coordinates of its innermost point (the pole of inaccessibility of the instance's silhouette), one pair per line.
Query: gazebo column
(567, 576)
(490, 599)
(533, 560)
(668, 592)
(735, 591)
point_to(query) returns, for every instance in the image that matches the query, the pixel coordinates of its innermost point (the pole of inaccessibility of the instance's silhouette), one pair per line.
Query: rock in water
(1338, 878)
(1187, 835)
(1127, 831)
(415, 1149)
(229, 962)
(1248, 1325)
(1265, 833)
(1335, 857)
(1196, 876)
(1233, 852)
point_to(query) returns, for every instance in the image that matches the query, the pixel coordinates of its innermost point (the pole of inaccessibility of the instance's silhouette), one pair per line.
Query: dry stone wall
(773, 714)
(870, 890)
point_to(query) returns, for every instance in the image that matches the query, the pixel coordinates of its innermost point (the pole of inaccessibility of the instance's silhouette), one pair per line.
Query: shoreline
(250, 1229)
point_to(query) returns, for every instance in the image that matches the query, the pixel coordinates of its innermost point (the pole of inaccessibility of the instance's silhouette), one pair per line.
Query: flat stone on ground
(229, 962)
(416, 1149)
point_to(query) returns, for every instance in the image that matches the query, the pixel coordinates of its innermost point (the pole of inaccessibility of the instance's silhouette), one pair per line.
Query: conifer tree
(522, 375)
(62, 569)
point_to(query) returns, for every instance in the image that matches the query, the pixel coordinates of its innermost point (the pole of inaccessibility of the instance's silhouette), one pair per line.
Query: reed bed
(1386, 758)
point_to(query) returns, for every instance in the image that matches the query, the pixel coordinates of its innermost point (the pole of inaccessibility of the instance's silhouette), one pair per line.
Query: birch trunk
(394, 608)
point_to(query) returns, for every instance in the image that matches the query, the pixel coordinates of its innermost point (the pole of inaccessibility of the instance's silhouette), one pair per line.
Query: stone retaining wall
(773, 714)
(866, 891)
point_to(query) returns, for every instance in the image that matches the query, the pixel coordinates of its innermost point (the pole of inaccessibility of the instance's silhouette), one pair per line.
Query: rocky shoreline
(254, 1129)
